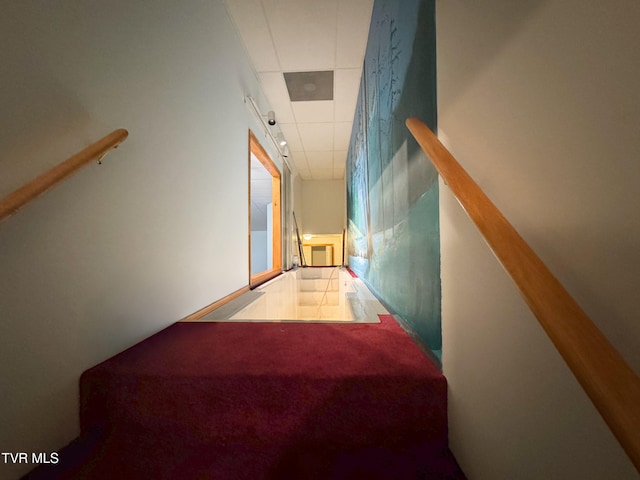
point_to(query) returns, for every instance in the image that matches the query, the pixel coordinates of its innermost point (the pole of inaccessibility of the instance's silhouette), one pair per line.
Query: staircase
(263, 401)
(319, 294)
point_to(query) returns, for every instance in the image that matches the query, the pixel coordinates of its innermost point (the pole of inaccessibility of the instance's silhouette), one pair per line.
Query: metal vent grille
(309, 86)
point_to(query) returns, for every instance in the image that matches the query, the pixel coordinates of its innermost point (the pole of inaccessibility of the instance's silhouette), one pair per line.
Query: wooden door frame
(261, 154)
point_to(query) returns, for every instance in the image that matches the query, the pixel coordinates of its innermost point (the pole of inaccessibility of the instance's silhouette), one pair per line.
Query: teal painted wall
(392, 189)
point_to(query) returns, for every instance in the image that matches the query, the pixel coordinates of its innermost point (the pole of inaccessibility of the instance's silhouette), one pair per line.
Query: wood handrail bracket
(612, 385)
(96, 151)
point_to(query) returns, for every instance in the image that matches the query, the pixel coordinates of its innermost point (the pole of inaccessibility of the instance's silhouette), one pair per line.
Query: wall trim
(195, 316)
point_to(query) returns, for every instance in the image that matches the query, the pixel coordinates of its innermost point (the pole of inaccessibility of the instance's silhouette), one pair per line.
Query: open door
(265, 244)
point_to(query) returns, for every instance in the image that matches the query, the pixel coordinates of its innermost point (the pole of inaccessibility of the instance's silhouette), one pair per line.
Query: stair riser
(266, 411)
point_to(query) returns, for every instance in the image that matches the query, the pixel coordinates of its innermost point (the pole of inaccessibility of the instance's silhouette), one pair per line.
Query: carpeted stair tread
(267, 400)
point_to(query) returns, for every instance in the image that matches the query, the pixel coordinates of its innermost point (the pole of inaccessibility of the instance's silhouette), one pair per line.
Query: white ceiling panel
(300, 161)
(342, 135)
(322, 174)
(320, 159)
(339, 158)
(254, 30)
(347, 85)
(301, 36)
(299, 156)
(354, 17)
(290, 132)
(316, 136)
(313, 112)
(276, 91)
(303, 32)
(305, 173)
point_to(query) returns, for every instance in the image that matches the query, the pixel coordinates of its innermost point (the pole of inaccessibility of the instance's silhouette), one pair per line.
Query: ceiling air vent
(309, 86)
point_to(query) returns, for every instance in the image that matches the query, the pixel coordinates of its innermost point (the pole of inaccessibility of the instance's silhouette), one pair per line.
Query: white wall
(124, 249)
(540, 103)
(323, 206)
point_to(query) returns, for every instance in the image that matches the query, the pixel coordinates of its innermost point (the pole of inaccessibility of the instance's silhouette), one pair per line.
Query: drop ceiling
(286, 36)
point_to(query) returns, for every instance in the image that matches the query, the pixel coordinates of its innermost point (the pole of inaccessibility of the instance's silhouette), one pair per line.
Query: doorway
(265, 246)
(323, 250)
(322, 256)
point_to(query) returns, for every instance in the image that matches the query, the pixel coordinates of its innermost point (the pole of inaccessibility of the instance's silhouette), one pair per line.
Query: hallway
(537, 101)
(326, 294)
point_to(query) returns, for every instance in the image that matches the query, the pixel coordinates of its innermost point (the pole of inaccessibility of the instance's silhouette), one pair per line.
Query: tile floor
(325, 295)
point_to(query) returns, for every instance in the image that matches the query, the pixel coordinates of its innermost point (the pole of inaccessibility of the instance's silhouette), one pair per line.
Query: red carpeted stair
(232, 401)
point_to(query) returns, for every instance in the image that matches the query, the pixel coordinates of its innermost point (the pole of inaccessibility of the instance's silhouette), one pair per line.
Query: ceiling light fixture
(278, 142)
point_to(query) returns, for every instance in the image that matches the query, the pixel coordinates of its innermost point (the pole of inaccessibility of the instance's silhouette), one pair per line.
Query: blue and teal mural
(392, 189)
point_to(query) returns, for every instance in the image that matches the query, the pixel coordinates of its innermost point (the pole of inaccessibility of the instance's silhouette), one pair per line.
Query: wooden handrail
(96, 151)
(612, 385)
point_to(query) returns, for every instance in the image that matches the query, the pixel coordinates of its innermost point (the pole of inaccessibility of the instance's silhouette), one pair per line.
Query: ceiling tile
(313, 112)
(303, 32)
(303, 36)
(251, 23)
(276, 91)
(299, 162)
(339, 158)
(299, 154)
(347, 86)
(302, 170)
(290, 132)
(342, 135)
(316, 136)
(300, 159)
(320, 160)
(354, 17)
(322, 174)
